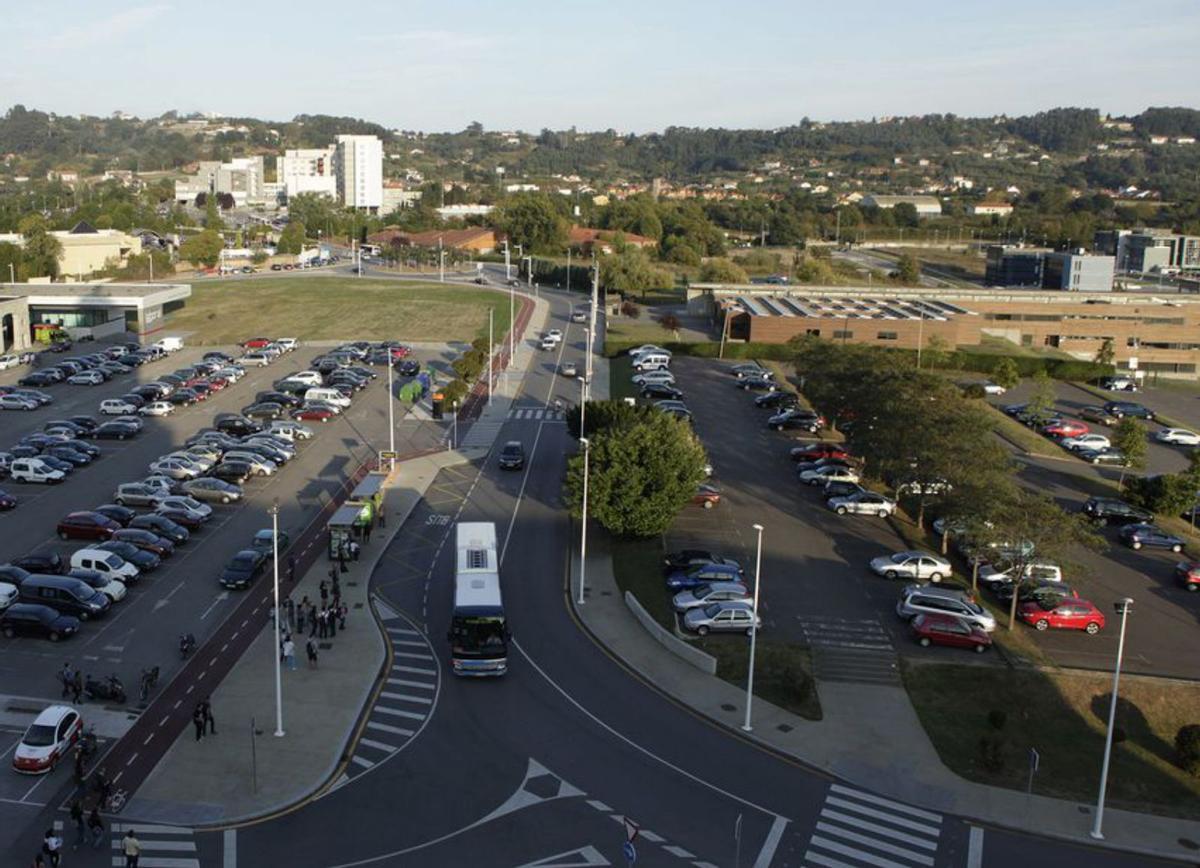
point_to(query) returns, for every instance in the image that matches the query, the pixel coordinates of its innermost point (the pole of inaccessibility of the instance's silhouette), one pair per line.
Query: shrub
(991, 753)
(974, 390)
(1187, 748)
(631, 310)
(455, 390)
(997, 717)
(480, 344)
(784, 672)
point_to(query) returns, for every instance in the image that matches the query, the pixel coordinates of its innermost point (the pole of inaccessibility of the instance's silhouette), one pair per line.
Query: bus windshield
(479, 635)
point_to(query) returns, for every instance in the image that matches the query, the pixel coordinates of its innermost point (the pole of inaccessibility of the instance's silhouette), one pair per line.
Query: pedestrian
(78, 764)
(77, 687)
(96, 824)
(313, 619)
(337, 601)
(80, 824)
(132, 848)
(342, 559)
(355, 548)
(337, 588)
(209, 721)
(311, 649)
(323, 623)
(366, 533)
(331, 621)
(198, 721)
(52, 847)
(291, 568)
(301, 611)
(342, 610)
(289, 653)
(382, 520)
(67, 678)
(333, 571)
(323, 588)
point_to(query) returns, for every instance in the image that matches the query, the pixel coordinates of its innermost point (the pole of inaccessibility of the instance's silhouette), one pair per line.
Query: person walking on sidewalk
(132, 848)
(210, 722)
(291, 568)
(80, 823)
(96, 825)
(382, 521)
(52, 847)
(342, 559)
(311, 649)
(198, 721)
(355, 548)
(324, 589)
(342, 610)
(67, 677)
(331, 621)
(77, 687)
(323, 623)
(289, 653)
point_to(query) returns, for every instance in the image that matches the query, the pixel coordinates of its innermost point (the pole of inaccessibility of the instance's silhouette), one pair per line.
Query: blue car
(686, 580)
(1138, 535)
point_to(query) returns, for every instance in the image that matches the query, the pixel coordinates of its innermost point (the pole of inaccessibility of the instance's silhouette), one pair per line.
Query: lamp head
(1124, 606)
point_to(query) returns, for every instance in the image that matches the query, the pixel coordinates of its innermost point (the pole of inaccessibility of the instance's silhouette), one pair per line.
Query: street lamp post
(754, 629)
(587, 448)
(507, 264)
(529, 272)
(490, 312)
(512, 321)
(275, 567)
(391, 418)
(1123, 608)
(454, 437)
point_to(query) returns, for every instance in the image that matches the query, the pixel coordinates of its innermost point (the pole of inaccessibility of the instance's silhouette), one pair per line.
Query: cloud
(431, 40)
(106, 30)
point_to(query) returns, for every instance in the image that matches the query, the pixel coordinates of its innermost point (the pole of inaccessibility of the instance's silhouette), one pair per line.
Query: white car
(714, 592)
(258, 359)
(86, 378)
(569, 369)
(1178, 437)
(8, 595)
(157, 408)
(183, 503)
(231, 374)
(1085, 441)
(911, 565)
(288, 344)
(649, 348)
(313, 378)
(203, 461)
(1036, 572)
(16, 402)
(990, 388)
(579, 315)
(117, 407)
(829, 473)
(48, 740)
(290, 430)
(9, 361)
(863, 503)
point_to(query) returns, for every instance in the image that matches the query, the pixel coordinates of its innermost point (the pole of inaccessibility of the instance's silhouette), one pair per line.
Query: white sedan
(1085, 441)
(48, 740)
(912, 565)
(831, 473)
(863, 503)
(1178, 437)
(157, 408)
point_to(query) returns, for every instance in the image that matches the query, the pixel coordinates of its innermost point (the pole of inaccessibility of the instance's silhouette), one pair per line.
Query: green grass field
(337, 308)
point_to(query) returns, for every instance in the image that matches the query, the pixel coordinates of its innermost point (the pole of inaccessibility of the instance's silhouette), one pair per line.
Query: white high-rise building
(358, 166)
(308, 170)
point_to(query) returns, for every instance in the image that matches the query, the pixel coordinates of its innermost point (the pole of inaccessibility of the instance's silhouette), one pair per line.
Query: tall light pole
(12, 274)
(1123, 608)
(441, 262)
(568, 268)
(583, 387)
(754, 629)
(529, 272)
(507, 264)
(454, 436)
(920, 334)
(512, 322)
(391, 419)
(587, 449)
(275, 650)
(491, 311)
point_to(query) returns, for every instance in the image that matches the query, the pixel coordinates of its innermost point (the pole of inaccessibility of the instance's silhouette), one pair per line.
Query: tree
(10, 254)
(1130, 437)
(1043, 395)
(1006, 374)
(533, 220)
(42, 250)
(1106, 354)
(670, 323)
(630, 271)
(212, 214)
(602, 415)
(291, 239)
(203, 248)
(721, 270)
(905, 214)
(640, 475)
(936, 352)
(908, 270)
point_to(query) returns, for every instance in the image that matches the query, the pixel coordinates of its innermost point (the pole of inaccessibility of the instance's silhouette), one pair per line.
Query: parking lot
(816, 585)
(182, 595)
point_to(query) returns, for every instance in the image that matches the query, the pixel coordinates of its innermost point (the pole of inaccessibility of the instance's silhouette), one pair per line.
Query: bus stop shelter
(370, 491)
(341, 527)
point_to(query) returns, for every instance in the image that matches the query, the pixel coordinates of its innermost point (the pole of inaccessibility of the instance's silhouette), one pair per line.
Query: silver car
(722, 618)
(213, 490)
(175, 468)
(259, 465)
(912, 565)
(863, 503)
(138, 494)
(186, 504)
(705, 595)
(926, 600)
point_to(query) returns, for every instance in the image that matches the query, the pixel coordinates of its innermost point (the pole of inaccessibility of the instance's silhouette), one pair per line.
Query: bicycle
(149, 680)
(115, 801)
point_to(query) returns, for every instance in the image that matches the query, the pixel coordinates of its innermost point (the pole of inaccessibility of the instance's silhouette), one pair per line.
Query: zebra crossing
(540, 414)
(162, 846)
(857, 828)
(851, 649)
(408, 697)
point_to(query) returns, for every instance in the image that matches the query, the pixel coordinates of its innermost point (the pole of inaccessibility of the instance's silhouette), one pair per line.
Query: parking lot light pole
(391, 419)
(587, 450)
(507, 263)
(1123, 608)
(454, 437)
(275, 567)
(753, 629)
(491, 311)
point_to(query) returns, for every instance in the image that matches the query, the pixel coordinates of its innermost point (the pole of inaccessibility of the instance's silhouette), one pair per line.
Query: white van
(34, 470)
(169, 344)
(260, 359)
(651, 362)
(333, 396)
(108, 564)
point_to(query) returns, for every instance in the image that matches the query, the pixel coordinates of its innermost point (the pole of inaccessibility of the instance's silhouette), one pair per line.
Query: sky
(621, 64)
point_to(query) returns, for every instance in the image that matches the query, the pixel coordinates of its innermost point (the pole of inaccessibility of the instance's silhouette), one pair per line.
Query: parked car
(157, 408)
(176, 468)
(1069, 614)
(1187, 573)
(659, 376)
(1120, 409)
(145, 561)
(138, 494)
(212, 490)
(661, 391)
(778, 400)
(1105, 455)
(828, 473)
(233, 472)
(120, 514)
(796, 419)
(309, 413)
(86, 525)
(932, 628)
(703, 574)
(1138, 536)
(49, 739)
(1178, 437)
(817, 451)
(34, 619)
(995, 575)
(757, 383)
(912, 565)
(1065, 428)
(146, 541)
(7, 501)
(750, 369)
(706, 496)
(162, 526)
(1111, 510)
(183, 504)
(919, 599)
(686, 559)
(1094, 413)
(243, 569)
(114, 430)
(863, 503)
(725, 617)
(1085, 441)
(705, 595)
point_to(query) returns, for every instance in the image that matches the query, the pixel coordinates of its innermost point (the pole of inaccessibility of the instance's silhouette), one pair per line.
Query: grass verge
(335, 308)
(620, 387)
(783, 670)
(1062, 716)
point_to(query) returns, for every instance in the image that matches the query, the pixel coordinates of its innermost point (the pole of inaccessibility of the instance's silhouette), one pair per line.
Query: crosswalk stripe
(887, 803)
(409, 643)
(158, 862)
(411, 715)
(148, 829)
(676, 850)
(365, 763)
(152, 844)
(406, 697)
(882, 815)
(412, 655)
(892, 849)
(383, 727)
(402, 631)
(842, 849)
(824, 861)
(879, 830)
(378, 745)
(415, 670)
(406, 683)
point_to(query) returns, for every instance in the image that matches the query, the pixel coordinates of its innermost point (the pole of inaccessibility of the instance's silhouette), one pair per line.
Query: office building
(86, 249)
(1073, 271)
(927, 206)
(242, 178)
(308, 170)
(358, 167)
(1145, 251)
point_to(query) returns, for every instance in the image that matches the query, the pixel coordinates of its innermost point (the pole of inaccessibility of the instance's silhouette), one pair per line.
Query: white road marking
(229, 849)
(975, 848)
(383, 727)
(883, 815)
(427, 685)
(415, 670)
(378, 745)
(407, 697)
(396, 712)
(767, 853)
(365, 763)
(867, 840)
(887, 803)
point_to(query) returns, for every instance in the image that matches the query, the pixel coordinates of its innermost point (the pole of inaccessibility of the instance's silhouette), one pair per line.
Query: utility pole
(441, 262)
(507, 264)
(490, 312)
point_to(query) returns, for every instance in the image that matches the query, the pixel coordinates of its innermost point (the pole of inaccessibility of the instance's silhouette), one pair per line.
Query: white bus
(478, 629)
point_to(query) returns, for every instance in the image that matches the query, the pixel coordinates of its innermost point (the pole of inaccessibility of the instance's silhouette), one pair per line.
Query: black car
(69, 425)
(512, 455)
(1110, 510)
(86, 448)
(146, 540)
(662, 391)
(237, 425)
(50, 563)
(33, 619)
(685, 559)
(407, 367)
(37, 378)
(1128, 408)
(87, 423)
(264, 410)
(69, 454)
(188, 520)
(133, 398)
(776, 400)
(56, 462)
(796, 420)
(264, 541)
(7, 501)
(263, 450)
(114, 431)
(243, 569)
(757, 384)
(140, 558)
(184, 397)
(161, 526)
(284, 399)
(840, 489)
(122, 515)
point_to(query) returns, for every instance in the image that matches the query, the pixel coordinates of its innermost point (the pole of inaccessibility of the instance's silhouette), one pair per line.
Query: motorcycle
(187, 644)
(87, 744)
(109, 688)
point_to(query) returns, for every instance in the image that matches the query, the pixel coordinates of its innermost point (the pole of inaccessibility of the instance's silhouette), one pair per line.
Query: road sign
(386, 454)
(631, 830)
(629, 853)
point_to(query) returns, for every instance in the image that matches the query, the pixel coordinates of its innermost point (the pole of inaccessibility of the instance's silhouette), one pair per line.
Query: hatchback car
(1187, 574)
(728, 617)
(1097, 414)
(213, 490)
(48, 740)
(828, 473)
(243, 569)
(1070, 614)
(931, 628)
(912, 565)
(1085, 441)
(122, 515)
(796, 419)
(157, 408)
(1178, 437)
(145, 561)
(685, 559)
(86, 525)
(182, 503)
(1110, 510)
(161, 526)
(705, 595)
(706, 496)
(233, 472)
(114, 431)
(138, 494)
(512, 456)
(1105, 455)
(1138, 536)
(146, 540)
(34, 619)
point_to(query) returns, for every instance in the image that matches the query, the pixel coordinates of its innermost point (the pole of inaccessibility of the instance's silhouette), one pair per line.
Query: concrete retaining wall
(696, 657)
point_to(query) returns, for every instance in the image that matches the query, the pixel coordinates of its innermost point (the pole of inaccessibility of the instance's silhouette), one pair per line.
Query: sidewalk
(236, 774)
(870, 736)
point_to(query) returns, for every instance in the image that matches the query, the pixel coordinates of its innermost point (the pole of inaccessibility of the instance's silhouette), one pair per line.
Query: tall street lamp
(587, 448)
(1123, 608)
(754, 628)
(275, 650)
(391, 419)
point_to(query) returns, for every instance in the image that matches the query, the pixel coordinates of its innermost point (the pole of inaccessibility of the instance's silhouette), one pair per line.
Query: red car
(1066, 428)
(317, 414)
(256, 343)
(86, 525)
(1066, 614)
(401, 352)
(935, 629)
(216, 384)
(202, 390)
(706, 496)
(817, 451)
(1187, 573)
